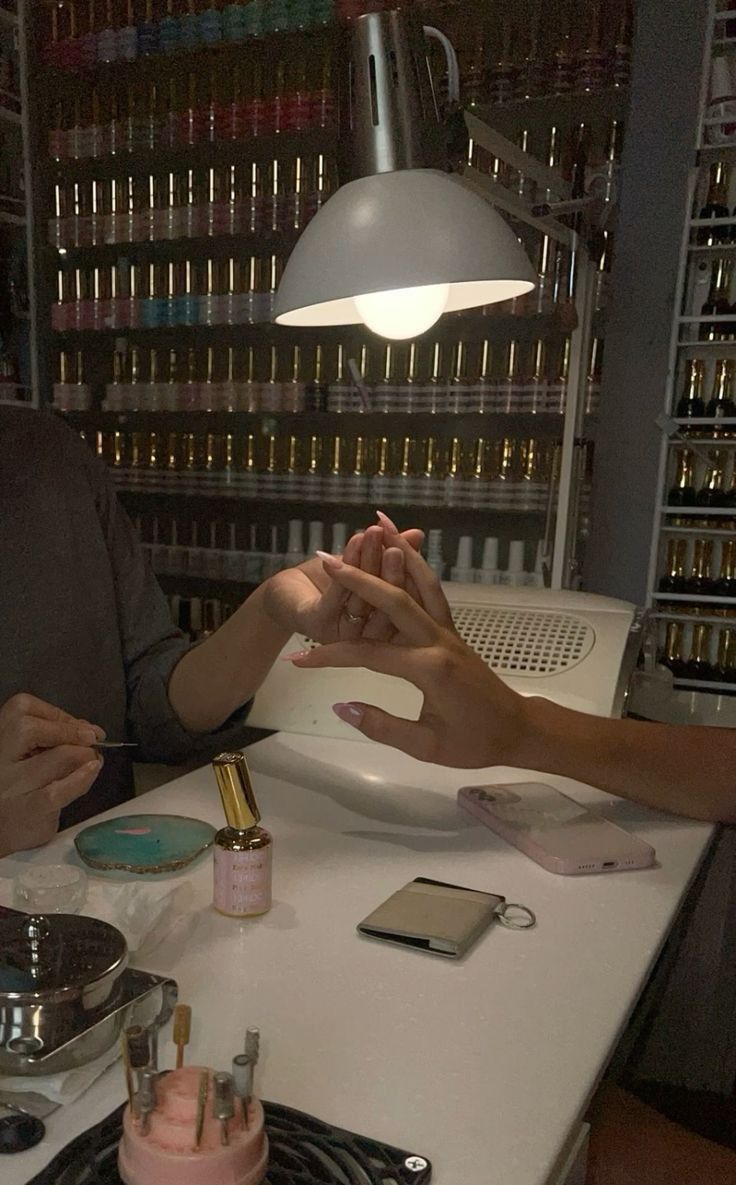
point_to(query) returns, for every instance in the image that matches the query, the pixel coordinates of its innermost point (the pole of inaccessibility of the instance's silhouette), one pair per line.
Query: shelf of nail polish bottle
(311, 141)
(219, 245)
(204, 53)
(282, 509)
(542, 426)
(499, 324)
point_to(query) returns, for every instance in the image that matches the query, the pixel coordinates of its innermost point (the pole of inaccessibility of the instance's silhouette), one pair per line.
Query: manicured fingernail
(92, 765)
(386, 522)
(295, 654)
(332, 561)
(350, 713)
(87, 736)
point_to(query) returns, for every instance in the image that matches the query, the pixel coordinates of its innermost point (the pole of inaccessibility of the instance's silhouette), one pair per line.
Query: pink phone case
(554, 830)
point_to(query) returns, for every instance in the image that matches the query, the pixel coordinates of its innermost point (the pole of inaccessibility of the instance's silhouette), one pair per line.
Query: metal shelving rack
(569, 434)
(17, 230)
(703, 435)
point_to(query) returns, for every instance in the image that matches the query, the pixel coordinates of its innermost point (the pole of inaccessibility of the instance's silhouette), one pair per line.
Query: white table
(486, 1065)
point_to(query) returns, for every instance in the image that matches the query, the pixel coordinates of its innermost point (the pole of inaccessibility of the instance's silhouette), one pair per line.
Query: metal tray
(143, 998)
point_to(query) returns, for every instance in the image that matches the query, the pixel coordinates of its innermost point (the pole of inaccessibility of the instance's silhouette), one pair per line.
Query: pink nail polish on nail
(332, 561)
(386, 522)
(294, 655)
(350, 713)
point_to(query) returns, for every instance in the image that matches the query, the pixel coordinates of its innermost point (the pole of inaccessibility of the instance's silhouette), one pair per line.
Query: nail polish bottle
(248, 480)
(314, 487)
(210, 25)
(148, 39)
(51, 48)
(535, 579)
(455, 480)
(315, 394)
(107, 38)
(434, 395)
(235, 22)
(479, 485)
(463, 570)
(514, 575)
(295, 546)
(341, 394)
(504, 483)
(292, 479)
(127, 37)
(355, 484)
(168, 30)
(532, 493)
(88, 40)
(434, 553)
(510, 387)
(333, 481)
(70, 47)
(386, 391)
(339, 538)
(557, 389)
(488, 572)
(293, 396)
(428, 485)
(270, 393)
(382, 483)
(459, 390)
(57, 224)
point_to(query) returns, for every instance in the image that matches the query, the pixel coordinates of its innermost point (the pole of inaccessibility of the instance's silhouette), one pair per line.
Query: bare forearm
(688, 770)
(226, 670)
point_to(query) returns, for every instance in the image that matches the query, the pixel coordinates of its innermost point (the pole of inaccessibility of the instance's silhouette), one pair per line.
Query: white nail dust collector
(577, 649)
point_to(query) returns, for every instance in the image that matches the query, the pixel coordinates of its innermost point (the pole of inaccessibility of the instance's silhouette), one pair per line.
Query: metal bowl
(59, 974)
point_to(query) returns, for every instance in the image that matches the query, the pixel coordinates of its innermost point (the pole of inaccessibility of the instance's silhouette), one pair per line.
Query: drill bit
(204, 1085)
(127, 1067)
(138, 1047)
(182, 1031)
(147, 1098)
(243, 1082)
(223, 1107)
(252, 1044)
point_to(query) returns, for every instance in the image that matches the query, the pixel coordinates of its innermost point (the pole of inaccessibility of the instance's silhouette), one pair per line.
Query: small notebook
(433, 916)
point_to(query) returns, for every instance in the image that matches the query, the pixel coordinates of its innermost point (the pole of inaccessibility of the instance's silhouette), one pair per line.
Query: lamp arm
(453, 70)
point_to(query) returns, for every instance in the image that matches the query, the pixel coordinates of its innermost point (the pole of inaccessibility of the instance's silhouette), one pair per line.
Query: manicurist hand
(469, 718)
(46, 761)
(306, 600)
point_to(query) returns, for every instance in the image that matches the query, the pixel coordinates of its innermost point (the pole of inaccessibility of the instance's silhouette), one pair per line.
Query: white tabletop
(484, 1065)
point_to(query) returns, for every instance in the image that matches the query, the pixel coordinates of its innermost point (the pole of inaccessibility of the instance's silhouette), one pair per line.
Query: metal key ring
(525, 921)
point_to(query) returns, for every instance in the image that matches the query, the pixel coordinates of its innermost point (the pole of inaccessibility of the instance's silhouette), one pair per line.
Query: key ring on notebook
(524, 918)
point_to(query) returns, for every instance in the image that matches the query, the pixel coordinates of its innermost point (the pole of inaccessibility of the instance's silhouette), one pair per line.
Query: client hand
(469, 718)
(45, 763)
(304, 599)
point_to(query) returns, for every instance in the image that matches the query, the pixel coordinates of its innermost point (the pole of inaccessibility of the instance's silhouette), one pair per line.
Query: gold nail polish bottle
(242, 885)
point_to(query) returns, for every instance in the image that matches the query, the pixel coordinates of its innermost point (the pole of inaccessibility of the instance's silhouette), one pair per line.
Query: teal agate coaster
(144, 843)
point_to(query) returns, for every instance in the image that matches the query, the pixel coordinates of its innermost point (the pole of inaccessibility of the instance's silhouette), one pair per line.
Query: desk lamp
(404, 241)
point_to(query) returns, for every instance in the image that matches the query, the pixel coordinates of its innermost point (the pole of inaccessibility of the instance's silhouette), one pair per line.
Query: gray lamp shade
(400, 230)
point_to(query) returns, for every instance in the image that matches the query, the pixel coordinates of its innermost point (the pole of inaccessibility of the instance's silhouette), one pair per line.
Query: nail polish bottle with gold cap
(242, 849)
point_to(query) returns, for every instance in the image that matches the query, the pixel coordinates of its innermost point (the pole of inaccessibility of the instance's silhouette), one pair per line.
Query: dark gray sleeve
(151, 644)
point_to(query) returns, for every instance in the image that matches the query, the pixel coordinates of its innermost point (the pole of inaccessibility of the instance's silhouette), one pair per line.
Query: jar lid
(56, 955)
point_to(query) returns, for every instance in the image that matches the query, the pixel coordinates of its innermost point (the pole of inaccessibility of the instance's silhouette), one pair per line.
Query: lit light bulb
(401, 313)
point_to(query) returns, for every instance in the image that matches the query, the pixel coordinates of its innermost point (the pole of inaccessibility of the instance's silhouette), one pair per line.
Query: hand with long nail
(307, 600)
(46, 761)
(471, 719)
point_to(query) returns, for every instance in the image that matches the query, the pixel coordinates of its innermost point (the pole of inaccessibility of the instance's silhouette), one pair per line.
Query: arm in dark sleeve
(151, 645)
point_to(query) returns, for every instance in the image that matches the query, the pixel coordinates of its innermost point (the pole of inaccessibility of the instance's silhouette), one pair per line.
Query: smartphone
(554, 830)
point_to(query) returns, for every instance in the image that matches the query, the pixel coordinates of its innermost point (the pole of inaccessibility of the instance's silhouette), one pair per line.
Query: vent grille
(524, 641)
(521, 642)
